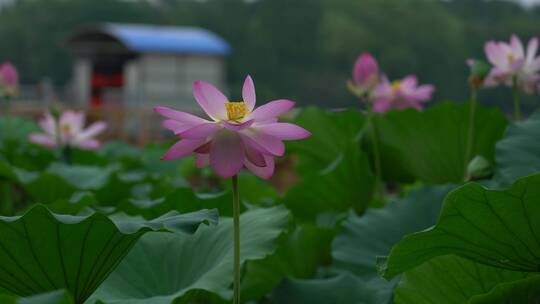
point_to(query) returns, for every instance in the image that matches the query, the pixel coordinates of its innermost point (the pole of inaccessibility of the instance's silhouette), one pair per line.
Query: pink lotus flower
(236, 136)
(401, 94)
(510, 60)
(9, 78)
(365, 75)
(68, 131)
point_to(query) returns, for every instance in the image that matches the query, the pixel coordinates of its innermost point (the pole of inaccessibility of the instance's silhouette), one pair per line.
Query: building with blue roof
(144, 65)
(166, 39)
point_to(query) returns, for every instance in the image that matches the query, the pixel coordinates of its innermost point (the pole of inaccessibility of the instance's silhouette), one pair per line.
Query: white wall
(82, 72)
(132, 80)
(168, 79)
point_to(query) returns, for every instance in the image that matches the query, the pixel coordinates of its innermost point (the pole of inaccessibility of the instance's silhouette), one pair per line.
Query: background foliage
(299, 49)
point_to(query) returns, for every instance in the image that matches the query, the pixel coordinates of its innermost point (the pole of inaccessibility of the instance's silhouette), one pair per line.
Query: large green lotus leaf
(163, 268)
(109, 184)
(346, 183)
(110, 152)
(119, 187)
(60, 181)
(430, 145)
(373, 234)
(83, 177)
(151, 163)
(15, 128)
(14, 145)
(78, 202)
(332, 132)
(29, 157)
(255, 191)
(355, 249)
(364, 238)
(526, 290)
(118, 150)
(133, 161)
(41, 251)
(299, 255)
(518, 153)
(494, 227)
(8, 299)
(182, 200)
(6, 171)
(450, 279)
(344, 288)
(53, 297)
(44, 187)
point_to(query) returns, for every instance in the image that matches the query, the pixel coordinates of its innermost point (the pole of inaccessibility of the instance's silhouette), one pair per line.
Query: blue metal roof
(168, 39)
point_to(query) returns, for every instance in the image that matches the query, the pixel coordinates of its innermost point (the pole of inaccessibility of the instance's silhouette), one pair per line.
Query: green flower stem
(470, 135)
(376, 154)
(516, 97)
(66, 154)
(236, 217)
(8, 106)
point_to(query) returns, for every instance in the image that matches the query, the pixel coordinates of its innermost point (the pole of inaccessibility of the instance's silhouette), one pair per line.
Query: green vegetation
(300, 49)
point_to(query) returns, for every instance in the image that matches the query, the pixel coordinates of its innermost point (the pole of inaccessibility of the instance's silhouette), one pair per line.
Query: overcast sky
(529, 2)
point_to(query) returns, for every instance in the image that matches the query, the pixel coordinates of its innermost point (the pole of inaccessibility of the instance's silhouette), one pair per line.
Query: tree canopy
(301, 49)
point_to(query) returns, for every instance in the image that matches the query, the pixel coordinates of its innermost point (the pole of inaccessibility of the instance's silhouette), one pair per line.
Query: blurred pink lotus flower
(510, 60)
(365, 76)
(401, 94)
(236, 136)
(68, 131)
(9, 78)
